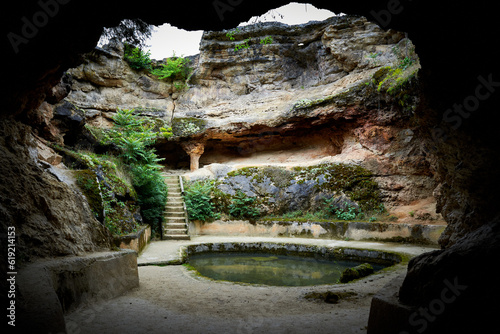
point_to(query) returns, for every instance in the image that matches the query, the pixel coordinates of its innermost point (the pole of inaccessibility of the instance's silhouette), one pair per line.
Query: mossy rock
(278, 190)
(357, 272)
(87, 182)
(329, 297)
(187, 126)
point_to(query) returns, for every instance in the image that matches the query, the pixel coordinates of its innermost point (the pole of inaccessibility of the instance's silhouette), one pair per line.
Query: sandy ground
(171, 299)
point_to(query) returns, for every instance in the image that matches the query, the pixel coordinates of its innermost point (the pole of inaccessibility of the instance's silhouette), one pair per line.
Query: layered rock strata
(312, 95)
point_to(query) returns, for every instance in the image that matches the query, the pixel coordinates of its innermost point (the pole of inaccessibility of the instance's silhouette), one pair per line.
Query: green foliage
(116, 186)
(108, 190)
(88, 183)
(230, 34)
(243, 207)
(266, 40)
(137, 58)
(243, 45)
(198, 201)
(374, 55)
(406, 62)
(152, 193)
(400, 83)
(175, 68)
(134, 136)
(348, 212)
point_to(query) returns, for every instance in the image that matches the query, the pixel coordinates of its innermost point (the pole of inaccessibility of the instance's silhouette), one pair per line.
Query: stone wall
(52, 288)
(359, 231)
(135, 241)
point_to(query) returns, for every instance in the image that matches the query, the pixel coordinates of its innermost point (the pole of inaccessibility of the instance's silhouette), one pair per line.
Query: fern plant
(243, 207)
(174, 68)
(198, 201)
(133, 136)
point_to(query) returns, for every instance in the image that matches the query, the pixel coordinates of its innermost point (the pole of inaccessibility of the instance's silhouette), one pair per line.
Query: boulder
(357, 272)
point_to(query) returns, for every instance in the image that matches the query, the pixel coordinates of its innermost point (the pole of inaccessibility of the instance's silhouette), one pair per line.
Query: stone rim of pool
(386, 258)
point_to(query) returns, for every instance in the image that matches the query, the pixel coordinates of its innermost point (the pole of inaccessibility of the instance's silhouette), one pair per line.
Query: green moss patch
(187, 126)
(321, 192)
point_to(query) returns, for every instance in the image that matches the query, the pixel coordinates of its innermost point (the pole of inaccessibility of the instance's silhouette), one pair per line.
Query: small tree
(132, 31)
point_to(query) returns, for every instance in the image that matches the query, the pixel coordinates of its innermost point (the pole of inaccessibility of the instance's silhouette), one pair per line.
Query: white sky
(167, 39)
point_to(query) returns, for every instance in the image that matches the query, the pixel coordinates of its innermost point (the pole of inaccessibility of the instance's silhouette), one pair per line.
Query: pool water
(276, 270)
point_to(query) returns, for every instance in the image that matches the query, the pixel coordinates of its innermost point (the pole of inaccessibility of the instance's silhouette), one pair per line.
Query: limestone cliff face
(309, 95)
(105, 82)
(313, 94)
(261, 83)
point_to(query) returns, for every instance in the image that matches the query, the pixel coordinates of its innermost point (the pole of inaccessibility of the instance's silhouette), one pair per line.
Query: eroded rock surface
(50, 216)
(312, 95)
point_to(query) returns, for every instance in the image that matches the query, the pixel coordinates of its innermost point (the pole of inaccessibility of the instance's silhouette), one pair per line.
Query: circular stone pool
(278, 264)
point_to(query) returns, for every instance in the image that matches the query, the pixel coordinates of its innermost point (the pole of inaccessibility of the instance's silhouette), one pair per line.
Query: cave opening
(465, 156)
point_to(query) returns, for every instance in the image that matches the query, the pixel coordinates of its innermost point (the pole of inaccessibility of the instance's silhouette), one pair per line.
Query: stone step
(176, 237)
(175, 211)
(175, 226)
(175, 220)
(170, 218)
(175, 231)
(175, 206)
(174, 214)
(172, 183)
(175, 201)
(170, 179)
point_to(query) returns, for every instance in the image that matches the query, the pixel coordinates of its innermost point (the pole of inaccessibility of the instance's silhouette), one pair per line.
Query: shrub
(133, 136)
(243, 45)
(175, 68)
(266, 40)
(230, 34)
(136, 58)
(347, 213)
(198, 201)
(152, 194)
(242, 207)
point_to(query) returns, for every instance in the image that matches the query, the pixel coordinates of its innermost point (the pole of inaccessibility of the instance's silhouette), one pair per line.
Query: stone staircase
(175, 225)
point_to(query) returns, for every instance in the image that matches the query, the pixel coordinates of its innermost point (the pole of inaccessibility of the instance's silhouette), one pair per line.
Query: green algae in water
(268, 269)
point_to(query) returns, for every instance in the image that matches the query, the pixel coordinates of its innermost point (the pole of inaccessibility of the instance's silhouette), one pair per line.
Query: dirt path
(171, 299)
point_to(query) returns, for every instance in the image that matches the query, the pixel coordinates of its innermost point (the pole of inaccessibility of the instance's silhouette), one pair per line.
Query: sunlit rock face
(309, 94)
(105, 82)
(293, 95)
(262, 83)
